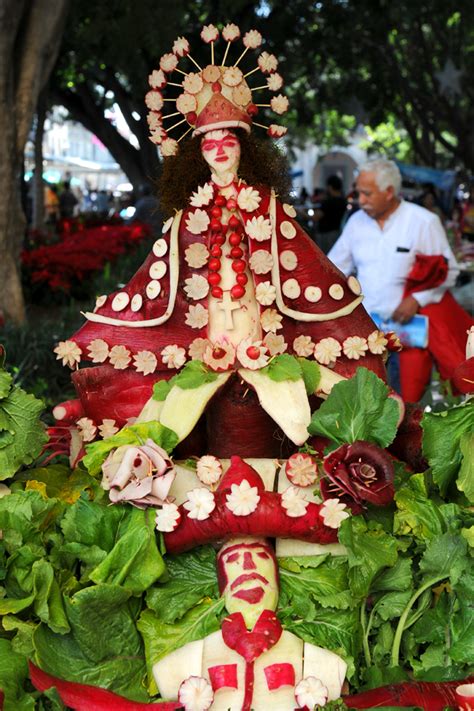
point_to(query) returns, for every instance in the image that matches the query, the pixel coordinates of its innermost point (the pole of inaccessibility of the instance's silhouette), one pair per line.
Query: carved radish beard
(247, 574)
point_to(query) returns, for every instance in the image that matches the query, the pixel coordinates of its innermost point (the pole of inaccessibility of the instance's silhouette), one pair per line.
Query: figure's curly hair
(261, 163)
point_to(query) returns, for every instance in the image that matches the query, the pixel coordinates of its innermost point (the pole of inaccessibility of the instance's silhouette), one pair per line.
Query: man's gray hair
(386, 173)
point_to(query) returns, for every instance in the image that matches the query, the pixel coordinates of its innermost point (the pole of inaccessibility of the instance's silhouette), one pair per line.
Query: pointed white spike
(256, 88)
(170, 128)
(185, 133)
(225, 54)
(251, 72)
(241, 56)
(194, 62)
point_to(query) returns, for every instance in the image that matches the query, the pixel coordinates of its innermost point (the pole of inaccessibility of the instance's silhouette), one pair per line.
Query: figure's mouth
(221, 159)
(253, 595)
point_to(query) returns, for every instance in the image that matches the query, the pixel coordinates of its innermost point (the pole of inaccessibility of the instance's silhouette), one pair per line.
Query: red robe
(119, 394)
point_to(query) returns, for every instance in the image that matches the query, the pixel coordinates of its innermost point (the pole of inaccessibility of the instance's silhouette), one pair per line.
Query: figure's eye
(263, 555)
(232, 558)
(208, 145)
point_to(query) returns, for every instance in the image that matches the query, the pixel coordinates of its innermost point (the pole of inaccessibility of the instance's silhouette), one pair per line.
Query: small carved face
(248, 579)
(221, 151)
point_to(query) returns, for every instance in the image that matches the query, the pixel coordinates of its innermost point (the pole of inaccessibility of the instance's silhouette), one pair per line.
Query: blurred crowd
(325, 213)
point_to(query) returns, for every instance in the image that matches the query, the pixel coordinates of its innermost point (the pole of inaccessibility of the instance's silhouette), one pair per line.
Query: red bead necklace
(218, 239)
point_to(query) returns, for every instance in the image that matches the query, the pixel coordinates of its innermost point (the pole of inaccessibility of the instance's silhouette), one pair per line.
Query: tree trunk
(38, 186)
(30, 37)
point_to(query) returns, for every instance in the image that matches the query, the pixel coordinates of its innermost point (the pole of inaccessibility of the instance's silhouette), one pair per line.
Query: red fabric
(82, 697)
(448, 324)
(428, 271)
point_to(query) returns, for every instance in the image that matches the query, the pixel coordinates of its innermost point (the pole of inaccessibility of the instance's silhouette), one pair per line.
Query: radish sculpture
(251, 663)
(233, 282)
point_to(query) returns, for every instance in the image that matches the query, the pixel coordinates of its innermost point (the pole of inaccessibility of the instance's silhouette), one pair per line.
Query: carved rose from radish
(142, 476)
(358, 474)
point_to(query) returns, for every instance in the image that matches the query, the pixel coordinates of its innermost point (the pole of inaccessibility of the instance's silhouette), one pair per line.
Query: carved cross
(227, 306)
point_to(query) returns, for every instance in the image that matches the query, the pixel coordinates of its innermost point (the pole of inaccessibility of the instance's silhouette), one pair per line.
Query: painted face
(221, 151)
(248, 579)
(374, 201)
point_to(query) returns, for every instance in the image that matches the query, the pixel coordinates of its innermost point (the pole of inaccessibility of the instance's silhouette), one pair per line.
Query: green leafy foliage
(283, 367)
(446, 438)
(192, 375)
(357, 409)
(22, 435)
(97, 452)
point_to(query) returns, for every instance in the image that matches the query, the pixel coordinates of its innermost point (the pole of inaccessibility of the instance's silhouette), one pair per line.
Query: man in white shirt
(380, 244)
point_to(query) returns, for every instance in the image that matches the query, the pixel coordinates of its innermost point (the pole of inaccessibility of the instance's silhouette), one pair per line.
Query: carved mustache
(248, 576)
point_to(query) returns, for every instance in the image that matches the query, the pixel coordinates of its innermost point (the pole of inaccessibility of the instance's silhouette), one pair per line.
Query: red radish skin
(68, 412)
(280, 675)
(268, 520)
(463, 378)
(83, 697)
(223, 675)
(428, 695)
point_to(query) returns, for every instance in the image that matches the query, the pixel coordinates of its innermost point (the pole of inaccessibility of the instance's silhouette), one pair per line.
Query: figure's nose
(248, 561)
(220, 149)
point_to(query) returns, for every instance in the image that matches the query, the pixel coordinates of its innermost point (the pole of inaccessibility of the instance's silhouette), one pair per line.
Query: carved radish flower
(252, 354)
(293, 502)
(197, 316)
(219, 356)
(181, 47)
(230, 32)
(310, 692)
(157, 79)
(173, 356)
(259, 228)
(168, 62)
(301, 469)
(108, 428)
(267, 62)
(198, 348)
(275, 344)
(327, 351)
(265, 293)
(200, 504)
(145, 362)
(279, 104)
(377, 342)
(243, 499)
(195, 693)
(140, 475)
(87, 429)
(248, 199)
(120, 357)
(98, 350)
(358, 473)
(303, 346)
(354, 347)
(276, 131)
(196, 255)
(197, 222)
(169, 147)
(275, 82)
(333, 513)
(209, 33)
(209, 469)
(202, 196)
(69, 352)
(261, 262)
(271, 320)
(196, 287)
(167, 519)
(252, 39)
(232, 76)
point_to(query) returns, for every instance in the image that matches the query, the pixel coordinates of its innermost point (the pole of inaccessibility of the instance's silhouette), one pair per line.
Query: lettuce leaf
(283, 367)
(161, 638)
(97, 452)
(369, 549)
(321, 580)
(22, 434)
(442, 433)
(13, 679)
(190, 578)
(357, 409)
